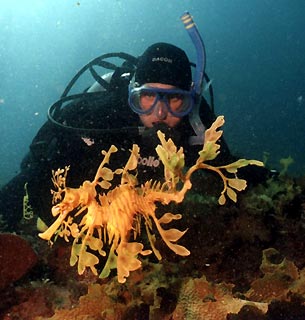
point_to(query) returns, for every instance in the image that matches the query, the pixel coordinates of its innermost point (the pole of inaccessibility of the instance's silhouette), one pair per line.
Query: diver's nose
(161, 111)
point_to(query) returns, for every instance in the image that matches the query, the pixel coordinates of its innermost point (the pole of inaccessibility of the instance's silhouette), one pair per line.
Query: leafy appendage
(234, 183)
(173, 160)
(211, 148)
(171, 236)
(210, 151)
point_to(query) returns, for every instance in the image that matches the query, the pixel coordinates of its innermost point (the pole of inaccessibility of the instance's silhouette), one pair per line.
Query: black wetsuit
(54, 147)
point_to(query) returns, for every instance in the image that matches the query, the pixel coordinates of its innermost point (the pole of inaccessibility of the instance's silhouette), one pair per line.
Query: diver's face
(160, 113)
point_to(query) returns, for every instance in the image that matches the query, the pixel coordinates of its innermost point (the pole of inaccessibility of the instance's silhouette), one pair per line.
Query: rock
(16, 258)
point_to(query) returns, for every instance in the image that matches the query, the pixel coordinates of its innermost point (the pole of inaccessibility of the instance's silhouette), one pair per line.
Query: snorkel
(194, 117)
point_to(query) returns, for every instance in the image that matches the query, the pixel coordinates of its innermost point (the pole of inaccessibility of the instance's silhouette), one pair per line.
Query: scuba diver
(123, 107)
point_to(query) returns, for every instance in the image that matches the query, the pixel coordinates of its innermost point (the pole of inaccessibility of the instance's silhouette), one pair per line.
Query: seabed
(247, 262)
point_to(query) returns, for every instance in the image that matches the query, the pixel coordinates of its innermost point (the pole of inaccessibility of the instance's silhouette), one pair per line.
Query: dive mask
(144, 99)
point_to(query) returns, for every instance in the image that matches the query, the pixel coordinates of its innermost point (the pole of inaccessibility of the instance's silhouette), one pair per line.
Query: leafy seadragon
(97, 216)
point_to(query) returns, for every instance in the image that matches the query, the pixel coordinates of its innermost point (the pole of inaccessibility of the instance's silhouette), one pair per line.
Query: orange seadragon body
(97, 216)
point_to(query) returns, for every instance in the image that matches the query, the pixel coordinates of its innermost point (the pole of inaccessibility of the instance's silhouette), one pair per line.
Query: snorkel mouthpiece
(194, 117)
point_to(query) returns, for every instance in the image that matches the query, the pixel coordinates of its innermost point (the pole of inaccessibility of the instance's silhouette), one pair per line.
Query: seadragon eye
(55, 210)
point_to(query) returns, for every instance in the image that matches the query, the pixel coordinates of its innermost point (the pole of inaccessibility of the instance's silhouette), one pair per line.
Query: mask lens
(147, 100)
(178, 103)
(142, 101)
